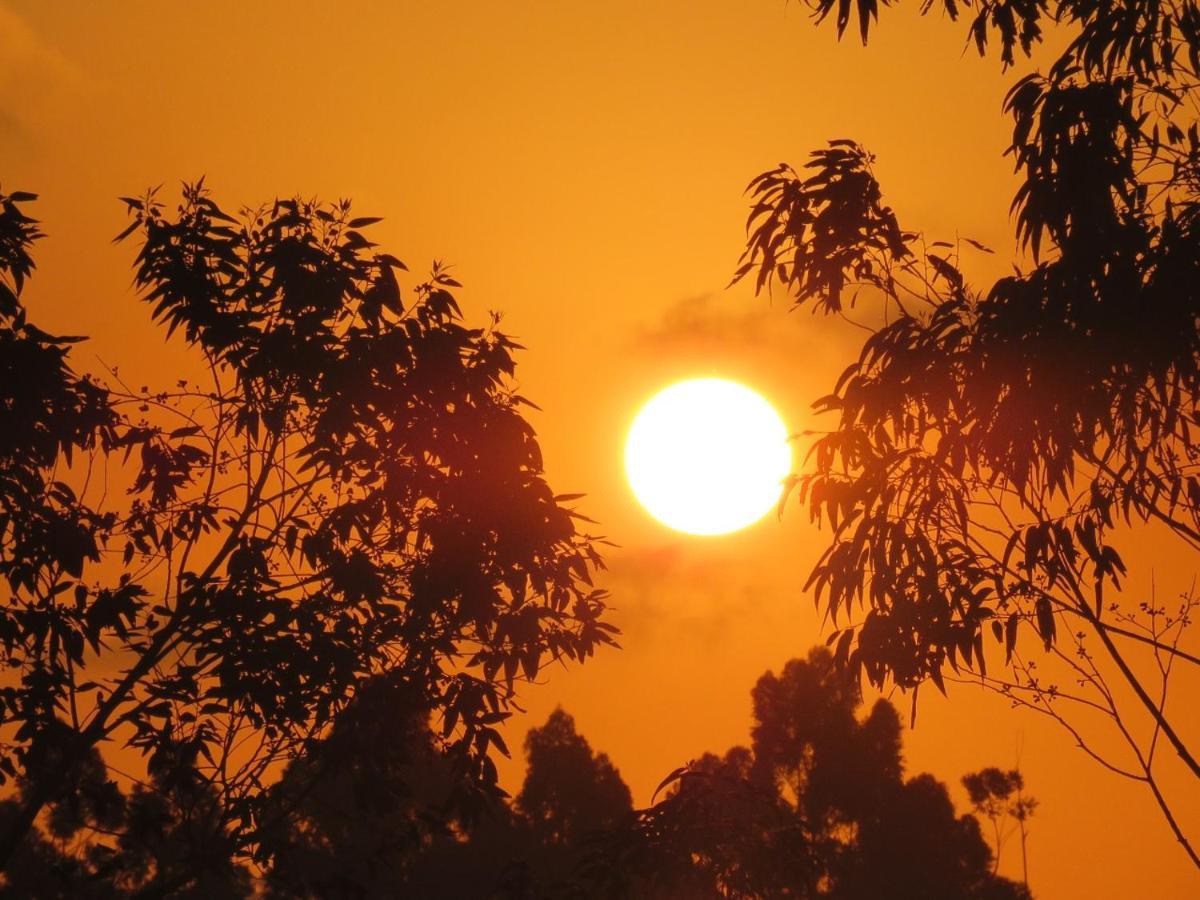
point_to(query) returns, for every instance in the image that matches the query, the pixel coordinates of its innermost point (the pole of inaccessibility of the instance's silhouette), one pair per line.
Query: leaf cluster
(208, 573)
(987, 444)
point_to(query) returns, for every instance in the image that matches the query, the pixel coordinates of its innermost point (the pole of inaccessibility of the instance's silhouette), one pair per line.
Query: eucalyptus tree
(817, 806)
(991, 447)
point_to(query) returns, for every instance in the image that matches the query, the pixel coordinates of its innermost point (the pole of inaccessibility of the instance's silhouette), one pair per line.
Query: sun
(707, 456)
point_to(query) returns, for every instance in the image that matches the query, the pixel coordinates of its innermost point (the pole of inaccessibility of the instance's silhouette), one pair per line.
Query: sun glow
(707, 456)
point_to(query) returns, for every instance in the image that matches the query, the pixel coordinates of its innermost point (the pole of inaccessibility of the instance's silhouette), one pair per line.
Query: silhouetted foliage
(988, 444)
(816, 807)
(382, 820)
(359, 808)
(164, 838)
(175, 841)
(354, 496)
(998, 795)
(47, 865)
(568, 789)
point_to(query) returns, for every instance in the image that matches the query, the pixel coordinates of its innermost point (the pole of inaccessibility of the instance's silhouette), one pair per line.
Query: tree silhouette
(817, 806)
(569, 790)
(175, 841)
(163, 838)
(384, 818)
(361, 806)
(355, 495)
(988, 445)
(61, 862)
(998, 795)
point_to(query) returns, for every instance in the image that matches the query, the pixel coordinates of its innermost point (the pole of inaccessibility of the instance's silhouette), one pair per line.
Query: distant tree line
(818, 806)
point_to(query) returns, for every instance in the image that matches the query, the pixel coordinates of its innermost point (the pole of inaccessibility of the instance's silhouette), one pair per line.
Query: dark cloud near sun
(682, 588)
(762, 326)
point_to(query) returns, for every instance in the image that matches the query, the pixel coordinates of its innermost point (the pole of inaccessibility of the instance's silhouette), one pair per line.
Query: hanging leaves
(984, 444)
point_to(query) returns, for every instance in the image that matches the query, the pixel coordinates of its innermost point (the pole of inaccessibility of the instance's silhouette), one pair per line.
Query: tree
(382, 821)
(989, 447)
(569, 790)
(818, 806)
(164, 837)
(717, 833)
(61, 862)
(999, 795)
(359, 809)
(174, 841)
(355, 495)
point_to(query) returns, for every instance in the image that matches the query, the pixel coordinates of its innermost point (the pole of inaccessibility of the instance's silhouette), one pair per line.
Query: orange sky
(582, 165)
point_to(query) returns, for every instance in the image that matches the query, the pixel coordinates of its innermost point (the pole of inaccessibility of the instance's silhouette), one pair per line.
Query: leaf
(842, 652)
(668, 781)
(388, 260)
(936, 675)
(1045, 621)
(867, 10)
(127, 231)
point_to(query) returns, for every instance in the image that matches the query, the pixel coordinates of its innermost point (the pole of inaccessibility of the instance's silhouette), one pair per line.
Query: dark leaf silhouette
(987, 445)
(355, 496)
(817, 806)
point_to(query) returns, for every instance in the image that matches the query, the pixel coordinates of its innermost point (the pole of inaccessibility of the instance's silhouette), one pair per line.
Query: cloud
(736, 323)
(33, 76)
(699, 593)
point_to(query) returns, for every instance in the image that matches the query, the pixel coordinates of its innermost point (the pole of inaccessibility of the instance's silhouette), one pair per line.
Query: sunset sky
(582, 167)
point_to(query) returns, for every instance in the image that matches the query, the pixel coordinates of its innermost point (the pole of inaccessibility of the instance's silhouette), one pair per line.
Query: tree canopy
(990, 448)
(818, 805)
(569, 790)
(209, 573)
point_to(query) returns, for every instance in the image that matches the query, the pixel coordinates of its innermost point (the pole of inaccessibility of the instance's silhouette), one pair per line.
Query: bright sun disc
(707, 456)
